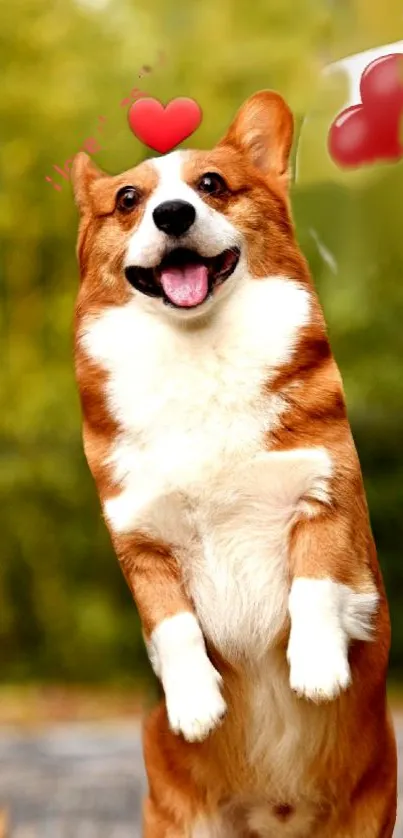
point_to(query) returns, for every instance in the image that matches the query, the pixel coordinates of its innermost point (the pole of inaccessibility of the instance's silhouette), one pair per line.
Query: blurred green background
(66, 615)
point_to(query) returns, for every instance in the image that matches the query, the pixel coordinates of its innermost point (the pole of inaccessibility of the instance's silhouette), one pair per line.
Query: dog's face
(180, 231)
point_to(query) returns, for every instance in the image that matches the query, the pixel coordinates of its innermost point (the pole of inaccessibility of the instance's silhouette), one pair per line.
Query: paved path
(81, 781)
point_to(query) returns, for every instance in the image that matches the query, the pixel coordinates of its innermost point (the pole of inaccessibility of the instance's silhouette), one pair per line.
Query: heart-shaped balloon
(164, 128)
(372, 131)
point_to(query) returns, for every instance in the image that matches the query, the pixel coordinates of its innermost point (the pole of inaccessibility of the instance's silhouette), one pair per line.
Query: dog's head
(180, 231)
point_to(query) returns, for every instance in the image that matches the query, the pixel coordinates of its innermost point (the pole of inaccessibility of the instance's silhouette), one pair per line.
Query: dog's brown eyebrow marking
(144, 176)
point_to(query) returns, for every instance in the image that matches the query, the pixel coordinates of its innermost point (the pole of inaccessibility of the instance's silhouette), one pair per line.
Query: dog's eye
(127, 198)
(212, 184)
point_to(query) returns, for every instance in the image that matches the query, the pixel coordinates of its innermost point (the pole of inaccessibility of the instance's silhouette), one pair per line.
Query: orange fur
(345, 767)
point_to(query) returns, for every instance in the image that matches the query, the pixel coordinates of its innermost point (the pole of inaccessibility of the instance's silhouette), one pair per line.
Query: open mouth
(184, 279)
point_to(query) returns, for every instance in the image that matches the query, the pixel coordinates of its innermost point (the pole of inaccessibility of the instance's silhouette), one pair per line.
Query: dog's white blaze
(325, 616)
(210, 234)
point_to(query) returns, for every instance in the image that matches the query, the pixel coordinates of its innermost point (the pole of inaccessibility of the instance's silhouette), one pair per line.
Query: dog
(215, 427)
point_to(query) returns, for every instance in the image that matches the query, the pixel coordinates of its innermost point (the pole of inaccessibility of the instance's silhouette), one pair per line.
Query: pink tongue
(187, 286)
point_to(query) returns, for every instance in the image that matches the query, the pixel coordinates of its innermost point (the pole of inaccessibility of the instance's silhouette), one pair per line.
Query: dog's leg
(332, 567)
(157, 824)
(325, 615)
(173, 636)
(372, 808)
(333, 600)
(373, 814)
(318, 645)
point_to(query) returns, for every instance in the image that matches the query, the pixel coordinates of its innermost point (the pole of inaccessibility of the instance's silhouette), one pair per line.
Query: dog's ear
(83, 174)
(263, 130)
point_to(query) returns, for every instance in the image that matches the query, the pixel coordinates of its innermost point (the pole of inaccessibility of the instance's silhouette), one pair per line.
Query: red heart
(370, 132)
(164, 128)
(381, 86)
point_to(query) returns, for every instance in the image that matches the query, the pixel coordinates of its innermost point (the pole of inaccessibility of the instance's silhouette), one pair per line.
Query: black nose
(174, 217)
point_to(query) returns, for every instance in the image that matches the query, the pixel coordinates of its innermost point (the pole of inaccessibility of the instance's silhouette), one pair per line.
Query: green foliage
(65, 610)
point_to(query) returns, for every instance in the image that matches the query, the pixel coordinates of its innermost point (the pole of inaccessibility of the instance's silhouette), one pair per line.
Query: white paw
(194, 702)
(319, 670)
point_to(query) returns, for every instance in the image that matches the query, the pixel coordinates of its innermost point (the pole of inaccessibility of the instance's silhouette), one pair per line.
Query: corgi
(215, 427)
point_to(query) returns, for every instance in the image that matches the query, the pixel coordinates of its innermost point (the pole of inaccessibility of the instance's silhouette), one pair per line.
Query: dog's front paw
(319, 670)
(194, 702)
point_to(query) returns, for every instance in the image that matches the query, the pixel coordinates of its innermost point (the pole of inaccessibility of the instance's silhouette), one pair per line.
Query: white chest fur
(189, 458)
